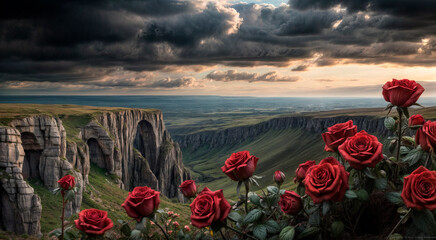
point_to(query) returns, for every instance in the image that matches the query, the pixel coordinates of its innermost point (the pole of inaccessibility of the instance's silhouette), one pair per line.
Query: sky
(295, 48)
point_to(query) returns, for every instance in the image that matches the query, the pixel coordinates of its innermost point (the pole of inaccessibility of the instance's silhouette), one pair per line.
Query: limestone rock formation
(20, 207)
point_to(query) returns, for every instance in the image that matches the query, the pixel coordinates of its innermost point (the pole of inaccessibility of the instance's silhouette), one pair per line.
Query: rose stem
(237, 231)
(400, 118)
(63, 214)
(164, 232)
(398, 223)
(222, 235)
(428, 160)
(247, 188)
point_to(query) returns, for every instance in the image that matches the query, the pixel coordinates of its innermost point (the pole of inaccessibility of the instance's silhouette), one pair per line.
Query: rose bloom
(419, 189)
(93, 221)
(402, 93)
(187, 228)
(326, 181)
(176, 224)
(141, 202)
(279, 177)
(67, 182)
(290, 202)
(240, 166)
(300, 173)
(426, 136)
(188, 188)
(337, 134)
(362, 150)
(209, 207)
(416, 121)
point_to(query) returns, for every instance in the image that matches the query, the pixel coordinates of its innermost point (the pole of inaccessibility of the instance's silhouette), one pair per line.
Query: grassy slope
(102, 193)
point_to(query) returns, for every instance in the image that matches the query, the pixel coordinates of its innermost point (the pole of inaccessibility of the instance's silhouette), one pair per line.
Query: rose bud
(416, 121)
(327, 181)
(279, 177)
(300, 173)
(290, 202)
(402, 93)
(209, 207)
(141, 202)
(67, 182)
(187, 228)
(240, 166)
(426, 136)
(188, 188)
(176, 224)
(93, 222)
(419, 189)
(362, 150)
(337, 134)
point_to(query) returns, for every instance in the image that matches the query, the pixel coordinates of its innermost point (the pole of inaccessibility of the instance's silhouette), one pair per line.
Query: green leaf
(135, 235)
(404, 150)
(260, 232)
(309, 232)
(235, 217)
(56, 190)
(369, 173)
(325, 207)
(315, 219)
(254, 198)
(424, 220)
(390, 124)
(125, 229)
(394, 197)
(408, 139)
(70, 195)
(350, 194)
(238, 188)
(337, 229)
(395, 236)
(272, 199)
(381, 183)
(392, 145)
(69, 235)
(301, 189)
(362, 195)
(413, 156)
(272, 226)
(273, 189)
(287, 233)
(282, 191)
(57, 232)
(141, 225)
(253, 216)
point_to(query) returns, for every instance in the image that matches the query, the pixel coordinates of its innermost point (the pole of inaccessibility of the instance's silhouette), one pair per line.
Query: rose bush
(240, 166)
(327, 181)
(402, 93)
(209, 207)
(337, 134)
(93, 222)
(426, 136)
(141, 202)
(188, 188)
(362, 150)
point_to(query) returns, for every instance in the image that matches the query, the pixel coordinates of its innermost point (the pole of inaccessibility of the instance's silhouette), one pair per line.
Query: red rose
(290, 202)
(362, 150)
(426, 136)
(240, 166)
(279, 177)
(301, 171)
(93, 221)
(337, 134)
(209, 207)
(188, 188)
(419, 189)
(416, 121)
(326, 181)
(141, 202)
(402, 93)
(67, 182)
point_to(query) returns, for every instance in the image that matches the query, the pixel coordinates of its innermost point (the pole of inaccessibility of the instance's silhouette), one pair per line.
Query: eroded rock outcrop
(20, 207)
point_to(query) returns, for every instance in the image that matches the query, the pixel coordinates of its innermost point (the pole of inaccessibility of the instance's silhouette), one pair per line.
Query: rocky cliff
(234, 135)
(132, 145)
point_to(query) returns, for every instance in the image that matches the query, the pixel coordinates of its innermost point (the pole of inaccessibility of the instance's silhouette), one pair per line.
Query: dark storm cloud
(233, 75)
(65, 41)
(174, 83)
(300, 68)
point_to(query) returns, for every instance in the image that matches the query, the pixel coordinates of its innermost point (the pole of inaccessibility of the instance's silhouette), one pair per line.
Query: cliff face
(131, 144)
(236, 135)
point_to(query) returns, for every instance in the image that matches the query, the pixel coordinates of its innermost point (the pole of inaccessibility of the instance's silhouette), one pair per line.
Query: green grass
(277, 150)
(103, 193)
